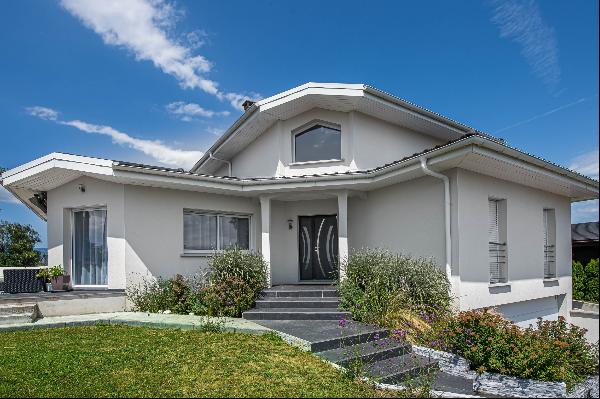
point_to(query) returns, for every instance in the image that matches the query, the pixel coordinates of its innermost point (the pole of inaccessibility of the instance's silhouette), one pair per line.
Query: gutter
(225, 136)
(471, 142)
(229, 173)
(448, 237)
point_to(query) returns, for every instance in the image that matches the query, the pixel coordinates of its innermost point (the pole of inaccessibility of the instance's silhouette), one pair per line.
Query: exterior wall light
(290, 224)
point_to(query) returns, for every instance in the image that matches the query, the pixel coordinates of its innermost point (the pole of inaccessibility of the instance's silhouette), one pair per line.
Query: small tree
(585, 281)
(16, 245)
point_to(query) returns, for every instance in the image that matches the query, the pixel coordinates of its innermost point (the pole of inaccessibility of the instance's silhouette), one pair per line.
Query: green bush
(234, 280)
(229, 298)
(178, 295)
(378, 282)
(245, 265)
(237, 278)
(585, 281)
(550, 351)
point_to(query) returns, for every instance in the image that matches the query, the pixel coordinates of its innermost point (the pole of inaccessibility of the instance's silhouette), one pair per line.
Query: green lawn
(120, 361)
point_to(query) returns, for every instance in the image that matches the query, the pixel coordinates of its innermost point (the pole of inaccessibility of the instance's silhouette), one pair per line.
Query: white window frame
(307, 126)
(72, 232)
(218, 215)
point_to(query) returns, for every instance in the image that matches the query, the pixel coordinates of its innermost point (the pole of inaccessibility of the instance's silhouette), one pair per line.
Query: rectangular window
(549, 243)
(497, 241)
(211, 231)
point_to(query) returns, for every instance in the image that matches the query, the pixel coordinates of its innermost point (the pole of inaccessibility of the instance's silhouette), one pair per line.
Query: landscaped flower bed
(411, 297)
(550, 351)
(231, 285)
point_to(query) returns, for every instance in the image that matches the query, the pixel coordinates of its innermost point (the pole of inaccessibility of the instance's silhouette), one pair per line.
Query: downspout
(446, 181)
(210, 155)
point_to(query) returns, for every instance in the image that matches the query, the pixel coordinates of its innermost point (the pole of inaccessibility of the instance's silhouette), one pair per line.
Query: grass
(121, 361)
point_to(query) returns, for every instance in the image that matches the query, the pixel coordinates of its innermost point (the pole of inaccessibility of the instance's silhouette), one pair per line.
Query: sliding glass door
(90, 251)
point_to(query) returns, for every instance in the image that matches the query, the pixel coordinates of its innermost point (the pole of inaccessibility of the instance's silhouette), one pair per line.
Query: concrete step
(18, 308)
(367, 352)
(399, 369)
(296, 314)
(299, 302)
(312, 293)
(15, 318)
(345, 340)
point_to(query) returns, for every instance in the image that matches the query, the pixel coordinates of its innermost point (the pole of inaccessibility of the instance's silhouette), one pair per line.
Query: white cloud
(586, 164)
(42, 113)
(143, 27)
(153, 148)
(189, 111)
(585, 211)
(522, 22)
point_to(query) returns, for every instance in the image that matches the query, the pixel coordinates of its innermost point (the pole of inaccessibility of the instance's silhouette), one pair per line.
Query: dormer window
(319, 141)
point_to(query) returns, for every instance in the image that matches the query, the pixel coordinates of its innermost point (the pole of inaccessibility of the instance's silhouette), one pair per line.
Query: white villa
(309, 174)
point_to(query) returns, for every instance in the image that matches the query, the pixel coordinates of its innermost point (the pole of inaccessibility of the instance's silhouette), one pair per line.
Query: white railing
(549, 261)
(497, 252)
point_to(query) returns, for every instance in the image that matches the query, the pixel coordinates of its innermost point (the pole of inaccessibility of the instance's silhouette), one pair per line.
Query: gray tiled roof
(355, 172)
(584, 232)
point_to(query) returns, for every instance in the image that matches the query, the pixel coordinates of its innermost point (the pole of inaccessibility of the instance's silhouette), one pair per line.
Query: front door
(317, 247)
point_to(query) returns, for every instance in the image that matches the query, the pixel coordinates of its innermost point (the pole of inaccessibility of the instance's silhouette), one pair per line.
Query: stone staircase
(300, 302)
(18, 313)
(311, 313)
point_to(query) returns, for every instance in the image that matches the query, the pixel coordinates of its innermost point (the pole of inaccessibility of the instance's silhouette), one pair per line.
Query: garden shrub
(229, 298)
(245, 265)
(178, 294)
(585, 281)
(379, 283)
(550, 351)
(233, 282)
(237, 278)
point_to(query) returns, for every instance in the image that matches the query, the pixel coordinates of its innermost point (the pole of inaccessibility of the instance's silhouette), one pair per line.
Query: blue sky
(158, 81)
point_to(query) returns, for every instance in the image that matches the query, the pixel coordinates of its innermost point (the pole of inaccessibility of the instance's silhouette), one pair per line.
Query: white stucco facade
(379, 192)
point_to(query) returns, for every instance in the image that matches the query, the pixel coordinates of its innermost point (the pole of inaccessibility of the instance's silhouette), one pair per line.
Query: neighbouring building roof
(584, 232)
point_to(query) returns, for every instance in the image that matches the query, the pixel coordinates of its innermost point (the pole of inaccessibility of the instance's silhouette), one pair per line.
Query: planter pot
(60, 283)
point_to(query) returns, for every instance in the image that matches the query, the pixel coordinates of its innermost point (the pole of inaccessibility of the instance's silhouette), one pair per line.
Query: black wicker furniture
(22, 280)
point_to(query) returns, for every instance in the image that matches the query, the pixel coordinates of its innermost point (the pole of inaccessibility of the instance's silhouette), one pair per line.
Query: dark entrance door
(317, 247)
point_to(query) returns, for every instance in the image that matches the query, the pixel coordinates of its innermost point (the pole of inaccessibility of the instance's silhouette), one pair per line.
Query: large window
(497, 241)
(90, 249)
(320, 142)
(204, 231)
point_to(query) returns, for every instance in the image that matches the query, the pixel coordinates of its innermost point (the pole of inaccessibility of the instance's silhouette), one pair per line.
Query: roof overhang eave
(460, 148)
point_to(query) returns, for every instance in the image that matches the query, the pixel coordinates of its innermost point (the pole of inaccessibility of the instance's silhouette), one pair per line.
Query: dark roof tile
(584, 232)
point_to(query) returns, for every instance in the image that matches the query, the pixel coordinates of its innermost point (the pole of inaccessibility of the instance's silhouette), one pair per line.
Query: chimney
(247, 104)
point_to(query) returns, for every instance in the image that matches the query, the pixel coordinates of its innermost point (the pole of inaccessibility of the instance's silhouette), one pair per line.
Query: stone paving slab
(184, 322)
(317, 330)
